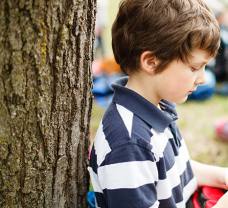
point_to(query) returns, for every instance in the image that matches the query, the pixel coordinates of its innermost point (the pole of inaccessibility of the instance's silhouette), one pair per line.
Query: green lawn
(196, 122)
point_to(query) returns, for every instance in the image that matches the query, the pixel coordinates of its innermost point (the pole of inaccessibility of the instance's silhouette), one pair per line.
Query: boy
(139, 159)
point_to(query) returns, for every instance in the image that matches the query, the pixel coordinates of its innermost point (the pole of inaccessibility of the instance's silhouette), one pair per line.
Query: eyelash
(194, 69)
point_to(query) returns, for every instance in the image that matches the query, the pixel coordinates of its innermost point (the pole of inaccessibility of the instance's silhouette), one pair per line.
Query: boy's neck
(142, 86)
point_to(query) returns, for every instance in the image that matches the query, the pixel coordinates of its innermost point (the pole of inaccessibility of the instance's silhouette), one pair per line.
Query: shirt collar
(158, 119)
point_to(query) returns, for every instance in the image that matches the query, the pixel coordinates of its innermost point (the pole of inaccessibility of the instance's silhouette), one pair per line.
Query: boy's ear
(148, 62)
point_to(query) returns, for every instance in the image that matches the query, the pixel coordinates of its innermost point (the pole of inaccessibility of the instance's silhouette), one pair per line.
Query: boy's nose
(201, 79)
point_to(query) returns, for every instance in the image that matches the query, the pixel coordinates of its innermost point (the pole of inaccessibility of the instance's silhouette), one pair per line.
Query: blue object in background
(91, 199)
(206, 90)
(101, 86)
(103, 100)
(102, 89)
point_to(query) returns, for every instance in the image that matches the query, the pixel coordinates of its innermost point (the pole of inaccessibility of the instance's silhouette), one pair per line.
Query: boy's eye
(194, 69)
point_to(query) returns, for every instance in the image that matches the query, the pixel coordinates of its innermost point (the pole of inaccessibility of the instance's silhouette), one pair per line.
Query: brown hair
(170, 29)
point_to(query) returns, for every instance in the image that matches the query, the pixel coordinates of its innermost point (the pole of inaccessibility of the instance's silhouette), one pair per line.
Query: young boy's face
(179, 79)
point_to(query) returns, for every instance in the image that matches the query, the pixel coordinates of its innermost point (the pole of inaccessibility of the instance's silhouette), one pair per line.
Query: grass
(196, 122)
(97, 113)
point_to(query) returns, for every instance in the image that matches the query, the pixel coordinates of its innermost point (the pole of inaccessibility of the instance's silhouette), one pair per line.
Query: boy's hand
(223, 179)
(223, 201)
(226, 179)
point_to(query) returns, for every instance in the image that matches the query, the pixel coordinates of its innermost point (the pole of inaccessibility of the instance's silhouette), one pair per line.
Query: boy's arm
(210, 175)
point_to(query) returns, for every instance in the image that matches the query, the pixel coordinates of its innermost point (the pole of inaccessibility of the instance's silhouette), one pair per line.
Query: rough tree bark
(45, 101)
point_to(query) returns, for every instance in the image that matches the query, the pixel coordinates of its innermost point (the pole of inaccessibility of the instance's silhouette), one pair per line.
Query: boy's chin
(183, 100)
(180, 101)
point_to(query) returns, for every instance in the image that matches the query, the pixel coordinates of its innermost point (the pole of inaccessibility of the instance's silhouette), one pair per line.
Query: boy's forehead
(200, 57)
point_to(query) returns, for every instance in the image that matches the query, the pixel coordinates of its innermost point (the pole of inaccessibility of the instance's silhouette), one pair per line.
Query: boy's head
(169, 29)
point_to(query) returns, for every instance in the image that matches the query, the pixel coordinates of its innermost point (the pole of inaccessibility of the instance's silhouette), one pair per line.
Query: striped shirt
(139, 159)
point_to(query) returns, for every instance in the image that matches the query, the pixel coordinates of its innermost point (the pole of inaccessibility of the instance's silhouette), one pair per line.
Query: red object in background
(212, 193)
(206, 197)
(210, 203)
(195, 201)
(221, 129)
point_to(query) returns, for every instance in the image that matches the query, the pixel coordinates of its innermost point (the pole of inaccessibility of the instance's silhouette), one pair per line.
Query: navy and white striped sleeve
(128, 177)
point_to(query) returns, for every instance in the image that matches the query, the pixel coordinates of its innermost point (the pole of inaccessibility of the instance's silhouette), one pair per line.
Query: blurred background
(203, 119)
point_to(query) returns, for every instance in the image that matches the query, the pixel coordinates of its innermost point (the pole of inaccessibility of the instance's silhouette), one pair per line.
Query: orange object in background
(109, 66)
(105, 66)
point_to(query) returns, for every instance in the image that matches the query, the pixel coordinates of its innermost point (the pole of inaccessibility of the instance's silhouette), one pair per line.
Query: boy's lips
(191, 91)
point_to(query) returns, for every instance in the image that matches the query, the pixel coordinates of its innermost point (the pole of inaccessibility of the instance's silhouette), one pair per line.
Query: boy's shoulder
(117, 124)
(120, 125)
(119, 131)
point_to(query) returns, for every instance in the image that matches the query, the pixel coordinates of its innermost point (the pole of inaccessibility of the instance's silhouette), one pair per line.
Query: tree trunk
(45, 101)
